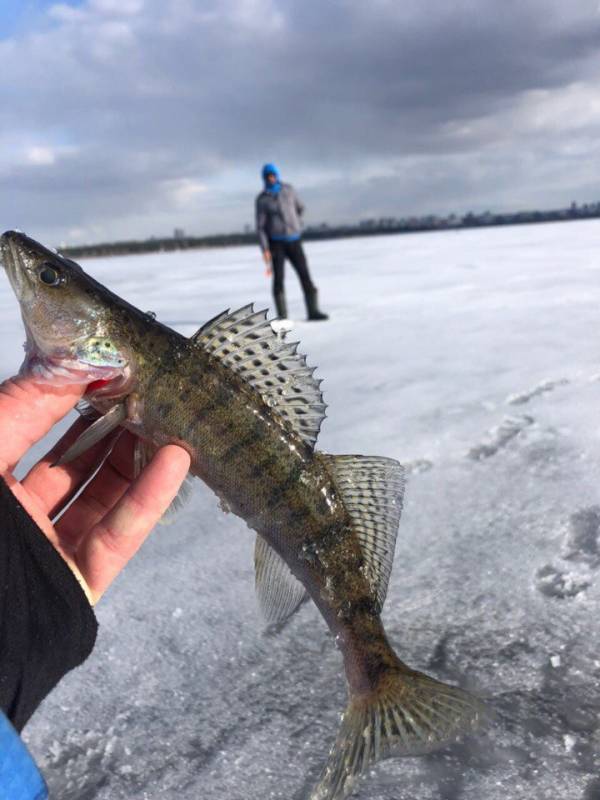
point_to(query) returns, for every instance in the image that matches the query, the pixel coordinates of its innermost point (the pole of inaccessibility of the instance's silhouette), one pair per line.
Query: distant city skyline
(123, 119)
(180, 239)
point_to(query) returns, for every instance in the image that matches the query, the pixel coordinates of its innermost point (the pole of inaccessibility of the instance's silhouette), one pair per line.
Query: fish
(246, 406)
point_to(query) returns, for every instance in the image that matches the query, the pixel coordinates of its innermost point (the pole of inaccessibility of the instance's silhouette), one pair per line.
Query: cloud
(139, 115)
(184, 191)
(40, 155)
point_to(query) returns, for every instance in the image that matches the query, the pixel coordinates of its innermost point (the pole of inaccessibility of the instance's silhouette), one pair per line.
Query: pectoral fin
(110, 443)
(97, 431)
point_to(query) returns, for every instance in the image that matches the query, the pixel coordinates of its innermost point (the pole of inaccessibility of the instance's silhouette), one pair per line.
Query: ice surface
(473, 357)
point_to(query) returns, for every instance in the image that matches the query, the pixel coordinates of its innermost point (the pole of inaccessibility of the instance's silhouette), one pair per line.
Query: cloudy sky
(127, 118)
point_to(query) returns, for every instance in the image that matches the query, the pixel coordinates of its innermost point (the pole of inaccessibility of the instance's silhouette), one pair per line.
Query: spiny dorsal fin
(279, 593)
(372, 490)
(210, 324)
(245, 341)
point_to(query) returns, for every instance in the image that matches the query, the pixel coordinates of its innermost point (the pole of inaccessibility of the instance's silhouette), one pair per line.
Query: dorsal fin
(214, 322)
(372, 489)
(245, 341)
(280, 594)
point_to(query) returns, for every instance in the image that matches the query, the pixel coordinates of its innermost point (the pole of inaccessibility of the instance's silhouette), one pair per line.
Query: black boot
(281, 305)
(312, 306)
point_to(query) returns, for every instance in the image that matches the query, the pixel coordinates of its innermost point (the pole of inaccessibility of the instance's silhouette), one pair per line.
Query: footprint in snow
(581, 544)
(557, 583)
(499, 437)
(417, 466)
(541, 388)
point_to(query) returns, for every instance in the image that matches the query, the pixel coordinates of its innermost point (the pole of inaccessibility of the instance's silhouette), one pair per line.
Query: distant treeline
(367, 227)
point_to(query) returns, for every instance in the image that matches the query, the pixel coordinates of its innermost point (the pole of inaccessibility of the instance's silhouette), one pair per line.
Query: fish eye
(49, 275)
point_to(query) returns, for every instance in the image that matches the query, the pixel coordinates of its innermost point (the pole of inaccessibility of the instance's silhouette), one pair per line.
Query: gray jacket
(278, 215)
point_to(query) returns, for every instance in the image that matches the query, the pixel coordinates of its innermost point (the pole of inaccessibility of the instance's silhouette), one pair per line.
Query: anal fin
(279, 593)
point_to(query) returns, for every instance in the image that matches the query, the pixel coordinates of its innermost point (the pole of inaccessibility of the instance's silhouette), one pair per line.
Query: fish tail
(408, 713)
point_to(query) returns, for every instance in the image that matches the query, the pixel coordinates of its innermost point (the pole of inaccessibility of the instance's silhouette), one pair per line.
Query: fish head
(68, 318)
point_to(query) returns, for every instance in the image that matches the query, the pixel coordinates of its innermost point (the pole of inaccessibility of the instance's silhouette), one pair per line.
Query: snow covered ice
(474, 358)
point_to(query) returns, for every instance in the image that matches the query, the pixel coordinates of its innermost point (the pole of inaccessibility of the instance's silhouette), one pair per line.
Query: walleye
(248, 409)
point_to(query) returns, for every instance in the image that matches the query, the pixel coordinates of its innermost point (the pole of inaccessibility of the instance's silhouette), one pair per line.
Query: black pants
(294, 252)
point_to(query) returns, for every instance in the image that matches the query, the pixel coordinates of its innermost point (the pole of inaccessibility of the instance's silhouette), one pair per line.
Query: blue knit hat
(269, 169)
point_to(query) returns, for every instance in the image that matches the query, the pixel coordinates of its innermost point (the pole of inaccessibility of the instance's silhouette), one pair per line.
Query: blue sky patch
(17, 16)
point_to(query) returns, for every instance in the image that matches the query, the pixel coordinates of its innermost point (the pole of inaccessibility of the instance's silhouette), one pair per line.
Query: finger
(52, 486)
(27, 412)
(100, 495)
(118, 536)
(108, 486)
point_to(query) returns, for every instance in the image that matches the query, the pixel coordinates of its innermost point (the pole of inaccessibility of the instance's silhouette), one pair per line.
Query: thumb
(27, 412)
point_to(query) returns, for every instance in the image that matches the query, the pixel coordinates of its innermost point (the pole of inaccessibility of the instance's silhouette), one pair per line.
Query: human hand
(268, 263)
(105, 526)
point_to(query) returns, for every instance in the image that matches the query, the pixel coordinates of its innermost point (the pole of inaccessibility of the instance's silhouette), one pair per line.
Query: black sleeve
(47, 625)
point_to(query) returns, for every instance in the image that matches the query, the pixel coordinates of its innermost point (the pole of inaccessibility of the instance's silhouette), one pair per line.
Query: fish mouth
(12, 260)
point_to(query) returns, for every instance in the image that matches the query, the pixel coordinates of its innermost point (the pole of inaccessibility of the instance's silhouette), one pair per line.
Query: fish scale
(231, 435)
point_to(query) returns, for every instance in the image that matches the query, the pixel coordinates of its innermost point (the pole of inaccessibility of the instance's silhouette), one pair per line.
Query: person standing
(279, 226)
